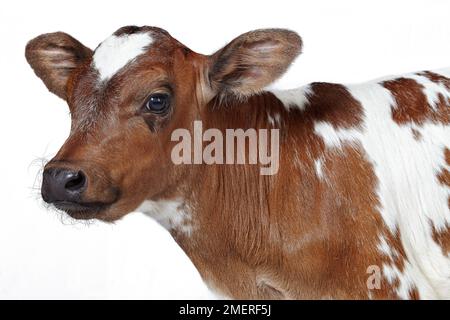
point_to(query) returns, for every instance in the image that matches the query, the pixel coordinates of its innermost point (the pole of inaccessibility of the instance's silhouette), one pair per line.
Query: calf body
(358, 209)
(363, 186)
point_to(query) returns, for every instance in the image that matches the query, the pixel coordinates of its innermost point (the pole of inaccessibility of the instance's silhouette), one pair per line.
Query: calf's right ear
(53, 57)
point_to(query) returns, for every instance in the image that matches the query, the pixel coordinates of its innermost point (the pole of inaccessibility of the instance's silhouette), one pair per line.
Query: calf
(359, 206)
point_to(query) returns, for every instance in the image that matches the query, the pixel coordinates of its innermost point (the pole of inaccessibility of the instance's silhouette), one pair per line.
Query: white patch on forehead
(171, 214)
(293, 98)
(117, 51)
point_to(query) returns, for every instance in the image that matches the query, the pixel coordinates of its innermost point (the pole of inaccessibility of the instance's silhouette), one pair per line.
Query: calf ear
(252, 61)
(53, 57)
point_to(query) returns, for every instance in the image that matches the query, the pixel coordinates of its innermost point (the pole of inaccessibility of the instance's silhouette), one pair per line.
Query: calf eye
(158, 103)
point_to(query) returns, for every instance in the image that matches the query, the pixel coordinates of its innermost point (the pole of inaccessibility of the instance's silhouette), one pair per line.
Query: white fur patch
(275, 120)
(336, 137)
(117, 51)
(318, 165)
(171, 214)
(293, 98)
(406, 279)
(386, 250)
(412, 200)
(411, 197)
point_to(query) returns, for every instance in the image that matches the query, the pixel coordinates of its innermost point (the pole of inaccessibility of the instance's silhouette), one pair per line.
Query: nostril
(76, 181)
(62, 184)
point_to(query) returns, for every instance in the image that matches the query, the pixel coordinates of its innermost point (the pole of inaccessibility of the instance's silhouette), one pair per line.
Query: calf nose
(60, 184)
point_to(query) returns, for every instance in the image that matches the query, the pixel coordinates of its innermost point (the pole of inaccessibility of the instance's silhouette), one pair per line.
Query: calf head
(126, 98)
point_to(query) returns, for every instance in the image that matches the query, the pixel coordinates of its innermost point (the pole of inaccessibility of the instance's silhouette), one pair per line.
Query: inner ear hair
(53, 57)
(252, 61)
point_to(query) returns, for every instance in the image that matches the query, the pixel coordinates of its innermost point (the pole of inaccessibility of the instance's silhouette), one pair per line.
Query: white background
(43, 255)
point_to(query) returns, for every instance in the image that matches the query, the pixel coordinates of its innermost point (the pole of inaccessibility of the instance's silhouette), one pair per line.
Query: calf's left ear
(252, 61)
(53, 57)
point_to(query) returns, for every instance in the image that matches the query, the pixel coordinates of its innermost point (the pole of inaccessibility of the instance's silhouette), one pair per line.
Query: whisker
(38, 165)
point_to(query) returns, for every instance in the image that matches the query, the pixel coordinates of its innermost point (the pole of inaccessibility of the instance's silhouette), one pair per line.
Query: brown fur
(287, 236)
(412, 105)
(437, 78)
(53, 57)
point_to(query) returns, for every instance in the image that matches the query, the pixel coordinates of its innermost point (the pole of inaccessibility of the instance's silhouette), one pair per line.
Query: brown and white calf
(358, 209)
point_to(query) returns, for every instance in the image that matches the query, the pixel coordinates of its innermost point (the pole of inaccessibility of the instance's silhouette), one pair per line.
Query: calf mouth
(82, 210)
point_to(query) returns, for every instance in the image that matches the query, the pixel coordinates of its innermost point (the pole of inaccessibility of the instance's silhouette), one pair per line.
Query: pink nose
(63, 185)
